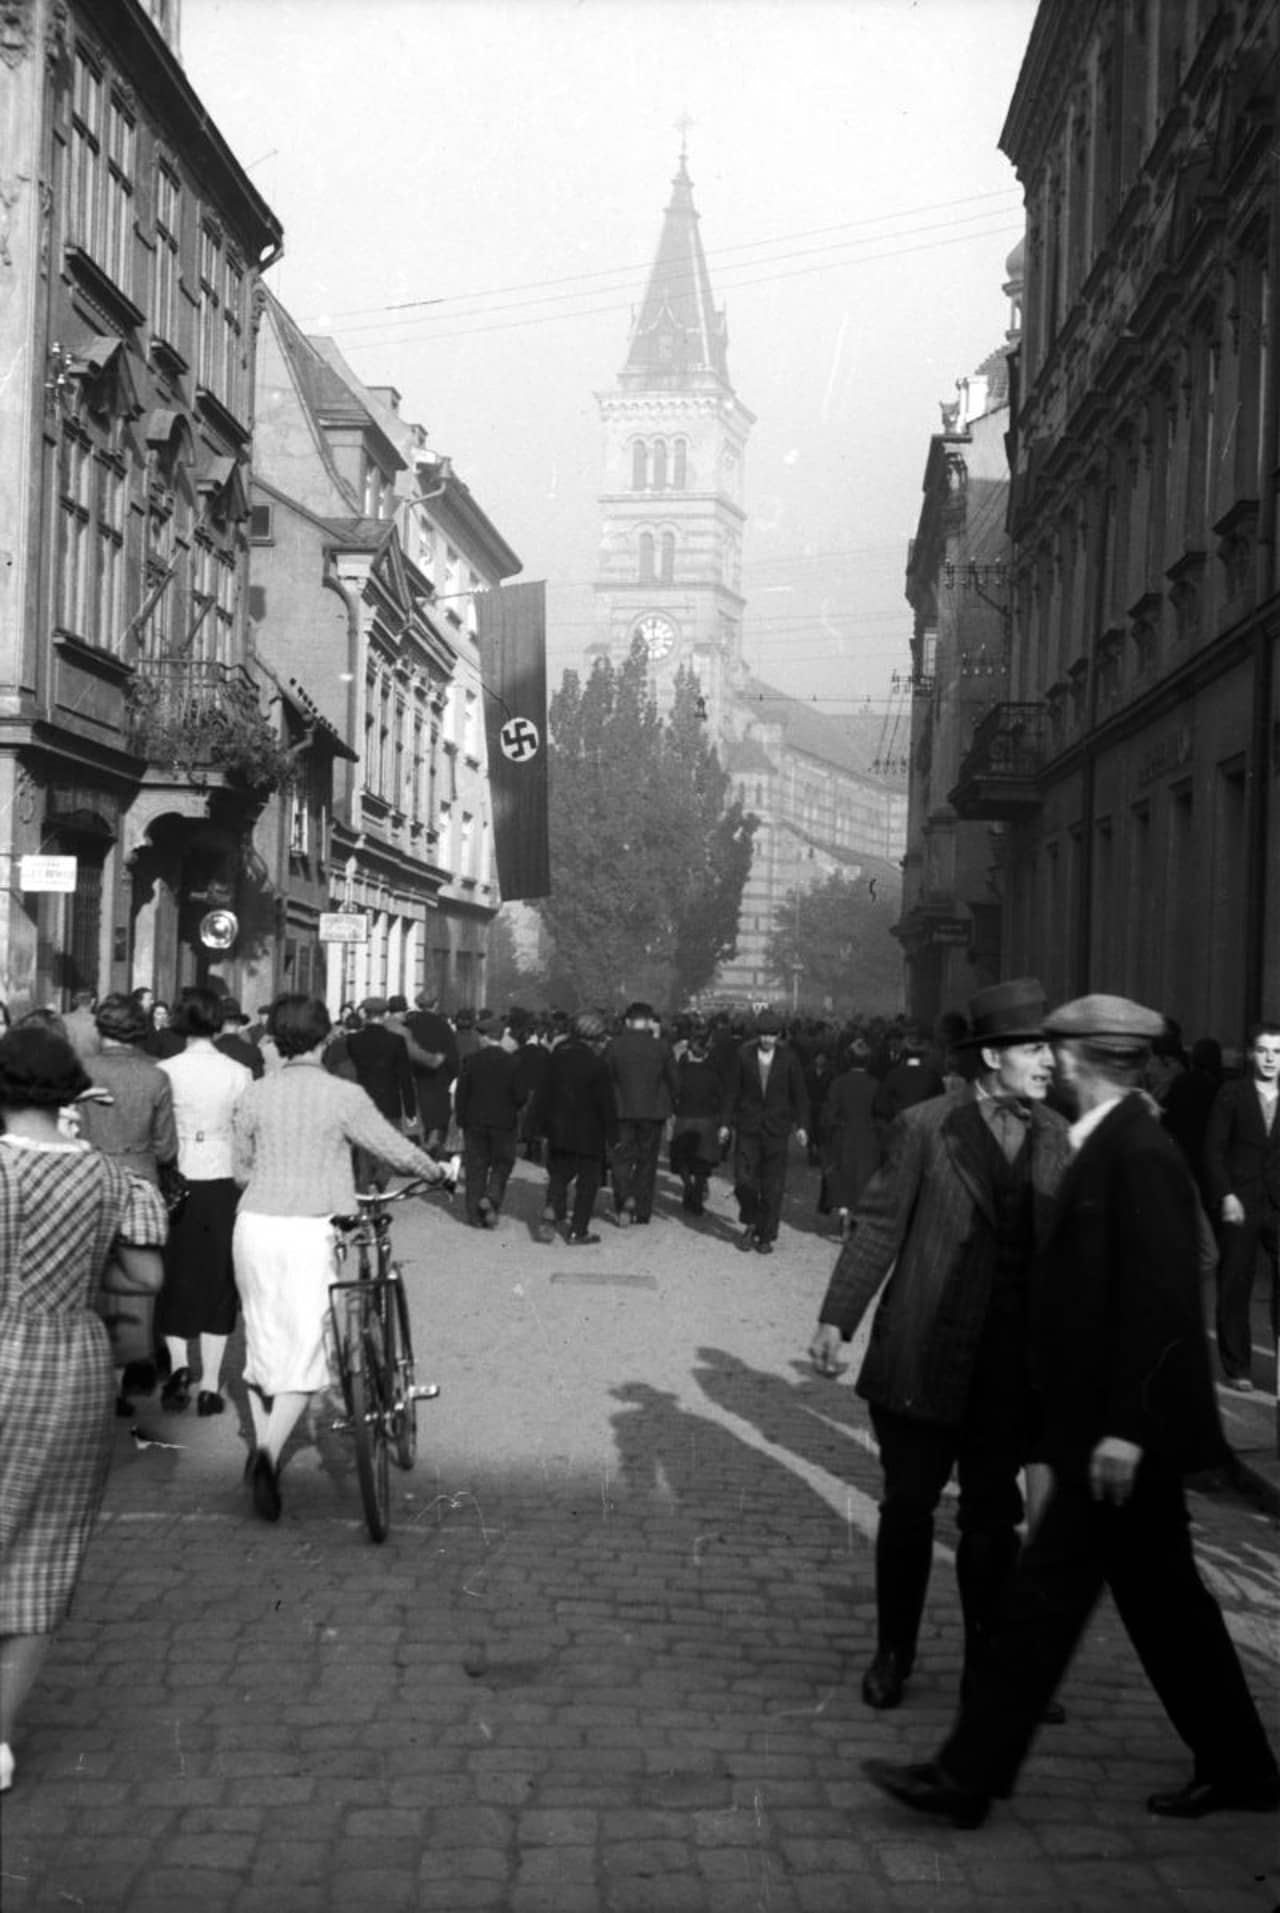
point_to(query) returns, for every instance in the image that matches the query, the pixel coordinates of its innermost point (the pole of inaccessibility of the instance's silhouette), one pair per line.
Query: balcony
(999, 774)
(199, 722)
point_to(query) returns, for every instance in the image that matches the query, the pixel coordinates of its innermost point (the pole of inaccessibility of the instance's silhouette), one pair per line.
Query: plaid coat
(912, 1226)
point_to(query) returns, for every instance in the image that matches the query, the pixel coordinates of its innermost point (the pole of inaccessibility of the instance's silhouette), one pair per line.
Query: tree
(648, 858)
(835, 941)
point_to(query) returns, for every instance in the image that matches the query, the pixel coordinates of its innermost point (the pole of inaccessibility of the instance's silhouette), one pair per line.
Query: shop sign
(47, 873)
(344, 926)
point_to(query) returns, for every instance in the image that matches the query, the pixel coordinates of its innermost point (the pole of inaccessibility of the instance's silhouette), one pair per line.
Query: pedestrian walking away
(954, 1212)
(763, 1101)
(1242, 1182)
(488, 1102)
(642, 1071)
(577, 1119)
(1121, 1362)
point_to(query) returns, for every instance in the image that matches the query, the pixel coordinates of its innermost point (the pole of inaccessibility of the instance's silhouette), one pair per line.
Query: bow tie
(1016, 1106)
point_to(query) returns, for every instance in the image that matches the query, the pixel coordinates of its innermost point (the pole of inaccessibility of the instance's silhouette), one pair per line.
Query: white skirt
(284, 1265)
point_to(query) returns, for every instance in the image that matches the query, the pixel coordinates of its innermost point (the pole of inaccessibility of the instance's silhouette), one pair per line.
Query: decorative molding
(17, 31)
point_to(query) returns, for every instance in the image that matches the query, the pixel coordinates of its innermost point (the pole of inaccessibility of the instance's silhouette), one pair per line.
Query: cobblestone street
(608, 1660)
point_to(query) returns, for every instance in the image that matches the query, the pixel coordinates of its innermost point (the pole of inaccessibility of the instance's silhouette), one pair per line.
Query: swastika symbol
(519, 739)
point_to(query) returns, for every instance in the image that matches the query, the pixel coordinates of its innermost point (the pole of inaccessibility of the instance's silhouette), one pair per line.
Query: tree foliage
(835, 941)
(648, 854)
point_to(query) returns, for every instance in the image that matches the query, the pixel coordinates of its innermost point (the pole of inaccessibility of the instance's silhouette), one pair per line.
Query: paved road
(607, 1662)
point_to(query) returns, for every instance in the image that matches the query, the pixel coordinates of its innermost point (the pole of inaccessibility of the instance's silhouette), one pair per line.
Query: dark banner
(512, 629)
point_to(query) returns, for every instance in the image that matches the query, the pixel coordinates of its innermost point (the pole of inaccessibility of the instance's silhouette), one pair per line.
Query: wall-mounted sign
(47, 873)
(218, 929)
(344, 926)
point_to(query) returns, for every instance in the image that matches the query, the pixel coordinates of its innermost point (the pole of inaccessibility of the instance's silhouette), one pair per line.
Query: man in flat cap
(763, 1100)
(954, 1213)
(1121, 1365)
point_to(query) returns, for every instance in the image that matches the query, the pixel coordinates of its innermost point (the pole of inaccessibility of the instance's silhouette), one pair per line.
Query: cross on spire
(685, 121)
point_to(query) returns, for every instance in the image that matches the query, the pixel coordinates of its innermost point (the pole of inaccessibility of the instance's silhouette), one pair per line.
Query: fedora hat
(1007, 1013)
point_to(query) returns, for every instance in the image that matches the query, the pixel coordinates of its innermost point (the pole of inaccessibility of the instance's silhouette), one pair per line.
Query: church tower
(675, 436)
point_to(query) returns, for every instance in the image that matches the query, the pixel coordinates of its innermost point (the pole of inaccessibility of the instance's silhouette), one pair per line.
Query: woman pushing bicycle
(293, 1135)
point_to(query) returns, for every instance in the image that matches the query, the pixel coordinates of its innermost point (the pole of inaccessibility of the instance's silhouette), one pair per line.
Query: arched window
(659, 464)
(668, 557)
(680, 464)
(639, 466)
(646, 557)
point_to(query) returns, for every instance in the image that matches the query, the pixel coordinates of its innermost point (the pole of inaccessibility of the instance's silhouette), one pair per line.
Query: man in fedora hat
(764, 1098)
(954, 1212)
(1121, 1363)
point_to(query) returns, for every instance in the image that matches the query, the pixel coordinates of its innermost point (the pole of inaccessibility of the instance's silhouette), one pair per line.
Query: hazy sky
(472, 192)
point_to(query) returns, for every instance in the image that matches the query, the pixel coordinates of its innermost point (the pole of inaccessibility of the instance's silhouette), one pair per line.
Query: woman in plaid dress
(65, 1210)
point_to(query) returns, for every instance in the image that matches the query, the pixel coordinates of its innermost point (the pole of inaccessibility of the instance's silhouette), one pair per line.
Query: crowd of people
(1034, 1197)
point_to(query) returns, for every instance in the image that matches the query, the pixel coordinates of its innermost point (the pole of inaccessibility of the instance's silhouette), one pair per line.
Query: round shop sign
(520, 739)
(218, 929)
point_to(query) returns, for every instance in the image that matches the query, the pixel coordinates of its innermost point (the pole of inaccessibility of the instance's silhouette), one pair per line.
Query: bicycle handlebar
(372, 1204)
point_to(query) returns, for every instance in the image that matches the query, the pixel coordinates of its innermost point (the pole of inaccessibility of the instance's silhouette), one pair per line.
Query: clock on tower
(658, 634)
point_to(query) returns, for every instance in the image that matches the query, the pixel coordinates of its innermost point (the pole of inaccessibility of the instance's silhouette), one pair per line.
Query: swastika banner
(512, 630)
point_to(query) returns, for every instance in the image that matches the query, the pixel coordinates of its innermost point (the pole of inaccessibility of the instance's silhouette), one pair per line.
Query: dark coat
(576, 1108)
(1240, 1158)
(902, 1087)
(433, 1034)
(1118, 1344)
(381, 1064)
(642, 1070)
(784, 1106)
(241, 1050)
(488, 1095)
(915, 1218)
(852, 1146)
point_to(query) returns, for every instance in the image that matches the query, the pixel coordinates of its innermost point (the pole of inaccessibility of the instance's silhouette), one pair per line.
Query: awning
(163, 425)
(223, 485)
(105, 364)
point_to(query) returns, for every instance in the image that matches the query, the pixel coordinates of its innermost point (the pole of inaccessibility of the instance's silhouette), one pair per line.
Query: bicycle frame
(374, 1348)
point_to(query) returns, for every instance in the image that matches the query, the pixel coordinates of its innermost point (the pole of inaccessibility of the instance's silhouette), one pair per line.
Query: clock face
(659, 635)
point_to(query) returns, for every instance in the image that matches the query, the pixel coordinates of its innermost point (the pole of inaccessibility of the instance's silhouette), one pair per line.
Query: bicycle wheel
(366, 1365)
(404, 1425)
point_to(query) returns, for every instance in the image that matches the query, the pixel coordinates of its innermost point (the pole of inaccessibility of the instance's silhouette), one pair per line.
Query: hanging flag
(511, 626)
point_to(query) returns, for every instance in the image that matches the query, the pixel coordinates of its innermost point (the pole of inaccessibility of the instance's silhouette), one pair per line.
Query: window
(471, 725)
(680, 465)
(660, 465)
(93, 496)
(646, 558)
(260, 525)
(639, 466)
(466, 847)
(213, 604)
(402, 797)
(221, 321)
(668, 557)
(232, 335)
(166, 265)
(418, 768)
(121, 139)
(299, 821)
(84, 170)
(384, 739)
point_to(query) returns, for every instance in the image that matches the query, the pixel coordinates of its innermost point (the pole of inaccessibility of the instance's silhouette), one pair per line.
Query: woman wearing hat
(65, 1211)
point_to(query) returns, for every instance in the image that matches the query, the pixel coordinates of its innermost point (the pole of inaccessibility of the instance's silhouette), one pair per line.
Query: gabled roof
(677, 331)
(330, 400)
(852, 743)
(746, 756)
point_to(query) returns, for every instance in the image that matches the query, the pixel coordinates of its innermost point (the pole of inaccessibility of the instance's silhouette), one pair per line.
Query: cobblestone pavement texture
(608, 1660)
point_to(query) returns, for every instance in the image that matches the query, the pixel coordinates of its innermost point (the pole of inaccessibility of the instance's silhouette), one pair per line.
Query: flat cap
(489, 1024)
(1112, 1022)
(374, 1006)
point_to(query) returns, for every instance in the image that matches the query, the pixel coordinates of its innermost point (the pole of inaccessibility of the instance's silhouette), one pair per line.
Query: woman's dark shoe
(884, 1680)
(176, 1393)
(208, 1402)
(928, 1788)
(266, 1487)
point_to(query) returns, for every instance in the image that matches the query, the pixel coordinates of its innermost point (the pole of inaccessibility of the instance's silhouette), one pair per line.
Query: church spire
(678, 334)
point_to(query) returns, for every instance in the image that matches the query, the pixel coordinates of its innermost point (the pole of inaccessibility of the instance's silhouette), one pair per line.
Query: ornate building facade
(674, 517)
(1134, 757)
(134, 748)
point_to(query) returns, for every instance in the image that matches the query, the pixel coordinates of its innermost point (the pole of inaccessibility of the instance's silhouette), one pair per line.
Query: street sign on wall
(344, 926)
(47, 873)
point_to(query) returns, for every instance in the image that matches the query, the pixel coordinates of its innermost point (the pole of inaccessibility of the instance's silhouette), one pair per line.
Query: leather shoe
(176, 1393)
(747, 1240)
(209, 1402)
(928, 1788)
(1199, 1797)
(763, 1247)
(266, 1488)
(883, 1682)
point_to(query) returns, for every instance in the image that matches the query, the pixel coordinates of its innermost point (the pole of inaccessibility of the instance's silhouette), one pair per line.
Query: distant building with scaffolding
(831, 796)
(831, 793)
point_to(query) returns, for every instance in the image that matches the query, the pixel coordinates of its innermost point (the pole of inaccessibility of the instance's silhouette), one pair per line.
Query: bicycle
(374, 1346)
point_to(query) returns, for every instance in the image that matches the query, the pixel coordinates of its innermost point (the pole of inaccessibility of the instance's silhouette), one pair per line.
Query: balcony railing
(194, 717)
(999, 774)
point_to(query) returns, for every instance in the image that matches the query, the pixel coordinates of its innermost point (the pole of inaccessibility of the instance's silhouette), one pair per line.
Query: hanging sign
(47, 873)
(344, 926)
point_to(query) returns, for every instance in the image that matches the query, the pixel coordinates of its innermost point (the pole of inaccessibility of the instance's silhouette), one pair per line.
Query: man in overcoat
(764, 1100)
(955, 1213)
(1242, 1181)
(642, 1069)
(576, 1115)
(1121, 1365)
